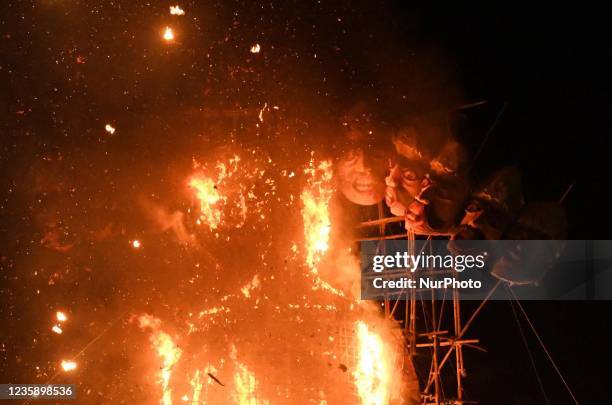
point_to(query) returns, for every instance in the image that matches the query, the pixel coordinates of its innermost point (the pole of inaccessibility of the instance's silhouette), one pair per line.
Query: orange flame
(196, 384)
(316, 217)
(315, 213)
(372, 374)
(208, 196)
(227, 208)
(245, 383)
(167, 351)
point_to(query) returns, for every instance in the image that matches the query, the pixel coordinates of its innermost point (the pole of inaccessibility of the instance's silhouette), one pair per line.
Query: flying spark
(61, 317)
(136, 244)
(168, 34)
(255, 48)
(69, 365)
(176, 10)
(109, 128)
(57, 329)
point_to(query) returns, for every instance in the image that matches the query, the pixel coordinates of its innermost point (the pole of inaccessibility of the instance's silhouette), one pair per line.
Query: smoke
(163, 221)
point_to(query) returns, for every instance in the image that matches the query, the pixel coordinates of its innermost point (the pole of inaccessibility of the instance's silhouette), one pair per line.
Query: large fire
(230, 195)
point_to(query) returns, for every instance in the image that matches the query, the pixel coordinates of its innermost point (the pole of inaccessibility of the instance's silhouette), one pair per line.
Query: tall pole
(458, 349)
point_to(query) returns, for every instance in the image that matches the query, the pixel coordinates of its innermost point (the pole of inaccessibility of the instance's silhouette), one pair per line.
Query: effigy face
(361, 175)
(435, 211)
(442, 195)
(408, 171)
(403, 184)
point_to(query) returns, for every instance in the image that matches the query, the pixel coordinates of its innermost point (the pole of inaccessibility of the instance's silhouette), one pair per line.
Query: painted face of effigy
(361, 173)
(437, 208)
(407, 172)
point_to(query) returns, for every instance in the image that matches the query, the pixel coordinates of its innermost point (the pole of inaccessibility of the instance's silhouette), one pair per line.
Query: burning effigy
(282, 322)
(194, 186)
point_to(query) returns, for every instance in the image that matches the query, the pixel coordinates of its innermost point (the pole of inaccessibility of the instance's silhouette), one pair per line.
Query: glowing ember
(168, 34)
(261, 112)
(176, 10)
(372, 374)
(60, 316)
(57, 329)
(246, 290)
(255, 48)
(136, 244)
(166, 350)
(69, 365)
(109, 128)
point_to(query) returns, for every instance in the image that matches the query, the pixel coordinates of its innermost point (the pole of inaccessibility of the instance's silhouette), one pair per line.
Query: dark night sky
(68, 67)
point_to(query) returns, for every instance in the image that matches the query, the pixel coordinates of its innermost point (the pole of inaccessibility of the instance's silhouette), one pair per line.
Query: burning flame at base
(372, 376)
(167, 351)
(220, 190)
(246, 384)
(196, 384)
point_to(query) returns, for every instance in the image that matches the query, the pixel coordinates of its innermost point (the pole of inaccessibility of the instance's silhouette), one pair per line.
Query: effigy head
(436, 209)
(415, 144)
(493, 207)
(534, 243)
(364, 160)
